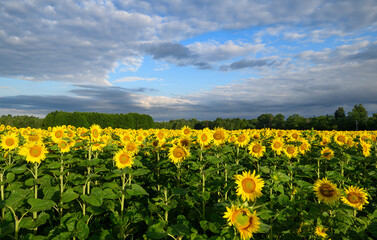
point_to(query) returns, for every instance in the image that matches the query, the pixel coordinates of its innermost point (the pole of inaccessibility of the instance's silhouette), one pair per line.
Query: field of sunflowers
(79, 183)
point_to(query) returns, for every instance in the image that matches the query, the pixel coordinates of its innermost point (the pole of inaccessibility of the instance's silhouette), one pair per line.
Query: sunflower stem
(123, 196)
(166, 204)
(35, 214)
(158, 172)
(61, 184)
(318, 165)
(2, 195)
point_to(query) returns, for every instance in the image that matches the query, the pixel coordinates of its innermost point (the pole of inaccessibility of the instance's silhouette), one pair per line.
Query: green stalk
(2, 195)
(35, 215)
(166, 203)
(123, 196)
(203, 190)
(61, 184)
(318, 165)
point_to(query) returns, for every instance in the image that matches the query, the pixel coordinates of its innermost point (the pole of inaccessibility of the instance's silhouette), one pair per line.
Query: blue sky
(176, 59)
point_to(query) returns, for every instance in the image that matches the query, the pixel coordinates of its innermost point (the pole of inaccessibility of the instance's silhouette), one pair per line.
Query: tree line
(357, 119)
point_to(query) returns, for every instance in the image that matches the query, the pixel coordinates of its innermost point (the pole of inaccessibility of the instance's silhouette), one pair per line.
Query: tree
(359, 116)
(265, 120)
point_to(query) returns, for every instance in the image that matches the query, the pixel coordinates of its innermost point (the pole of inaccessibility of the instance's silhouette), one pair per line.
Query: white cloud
(134, 79)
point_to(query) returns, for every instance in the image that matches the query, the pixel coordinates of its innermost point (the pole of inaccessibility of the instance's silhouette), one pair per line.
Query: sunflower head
(178, 153)
(242, 140)
(219, 136)
(34, 152)
(249, 186)
(243, 220)
(9, 141)
(327, 153)
(291, 151)
(277, 145)
(326, 191)
(123, 159)
(256, 149)
(95, 132)
(57, 134)
(320, 231)
(355, 197)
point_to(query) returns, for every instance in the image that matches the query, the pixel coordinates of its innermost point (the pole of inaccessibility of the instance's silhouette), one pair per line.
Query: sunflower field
(93, 183)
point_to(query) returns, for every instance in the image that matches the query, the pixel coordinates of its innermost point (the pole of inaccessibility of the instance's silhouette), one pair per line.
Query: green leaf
(206, 196)
(69, 195)
(283, 199)
(82, 229)
(38, 205)
(19, 170)
(282, 177)
(204, 224)
(136, 190)
(180, 191)
(10, 177)
(156, 231)
(372, 228)
(140, 172)
(92, 200)
(264, 169)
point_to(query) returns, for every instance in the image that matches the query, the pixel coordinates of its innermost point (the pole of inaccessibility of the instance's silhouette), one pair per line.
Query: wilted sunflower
(9, 141)
(320, 231)
(327, 153)
(34, 152)
(356, 197)
(326, 191)
(178, 153)
(256, 149)
(245, 222)
(249, 186)
(123, 159)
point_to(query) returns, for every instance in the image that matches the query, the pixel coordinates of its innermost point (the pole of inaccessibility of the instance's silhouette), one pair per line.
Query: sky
(174, 59)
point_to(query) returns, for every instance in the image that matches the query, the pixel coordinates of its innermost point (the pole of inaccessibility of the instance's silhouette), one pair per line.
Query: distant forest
(357, 119)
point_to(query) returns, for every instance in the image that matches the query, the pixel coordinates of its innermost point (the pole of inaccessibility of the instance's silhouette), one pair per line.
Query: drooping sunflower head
(178, 153)
(256, 149)
(9, 141)
(249, 186)
(326, 191)
(123, 159)
(355, 197)
(327, 153)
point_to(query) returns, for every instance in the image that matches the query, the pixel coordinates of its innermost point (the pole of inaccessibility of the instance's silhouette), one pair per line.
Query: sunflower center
(341, 138)
(294, 135)
(95, 133)
(63, 144)
(241, 138)
(353, 198)
(326, 153)
(9, 142)
(326, 190)
(160, 135)
(204, 138)
(217, 136)
(178, 152)
(130, 147)
(58, 134)
(256, 148)
(290, 150)
(248, 185)
(186, 131)
(124, 158)
(155, 143)
(277, 145)
(33, 138)
(35, 151)
(185, 142)
(242, 220)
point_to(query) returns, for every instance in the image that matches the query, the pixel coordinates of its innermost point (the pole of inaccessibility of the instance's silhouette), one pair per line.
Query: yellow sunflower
(123, 159)
(219, 136)
(277, 145)
(340, 138)
(356, 197)
(185, 141)
(327, 153)
(242, 140)
(320, 231)
(304, 147)
(64, 146)
(204, 137)
(95, 133)
(178, 153)
(245, 221)
(186, 131)
(326, 191)
(291, 151)
(249, 186)
(256, 149)
(325, 141)
(34, 152)
(132, 147)
(366, 148)
(9, 141)
(57, 134)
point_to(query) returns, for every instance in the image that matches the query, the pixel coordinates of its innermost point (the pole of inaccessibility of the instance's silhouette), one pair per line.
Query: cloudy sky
(198, 59)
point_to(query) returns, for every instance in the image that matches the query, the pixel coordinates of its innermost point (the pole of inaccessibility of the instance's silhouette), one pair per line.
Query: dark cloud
(168, 50)
(248, 63)
(369, 53)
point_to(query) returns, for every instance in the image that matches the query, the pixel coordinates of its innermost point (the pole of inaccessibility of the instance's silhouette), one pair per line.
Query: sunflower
(64, 146)
(178, 153)
(249, 186)
(242, 140)
(356, 197)
(294, 135)
(132, 147)
(9, 141)
(320, 231)
(57, 134)
(277, 145)
(340, 138)
(186, 131)
(256, 149)
(185, 141)
(123, 159)
(327, 153)
(205, 137)
(34, 152)
(291, 151)
(366, 148)
(325, 190)
(125, 137)
(245, 221)
(304, 147)
(325, 141)
(95, 133)
(219, 136)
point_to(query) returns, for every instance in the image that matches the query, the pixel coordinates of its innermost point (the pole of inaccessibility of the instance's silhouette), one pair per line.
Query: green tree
(359, 116)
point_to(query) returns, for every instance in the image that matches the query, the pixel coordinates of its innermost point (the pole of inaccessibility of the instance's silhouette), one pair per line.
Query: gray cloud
(248, 63)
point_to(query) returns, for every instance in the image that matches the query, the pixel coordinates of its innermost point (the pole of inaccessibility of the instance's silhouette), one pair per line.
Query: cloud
(134, 79)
